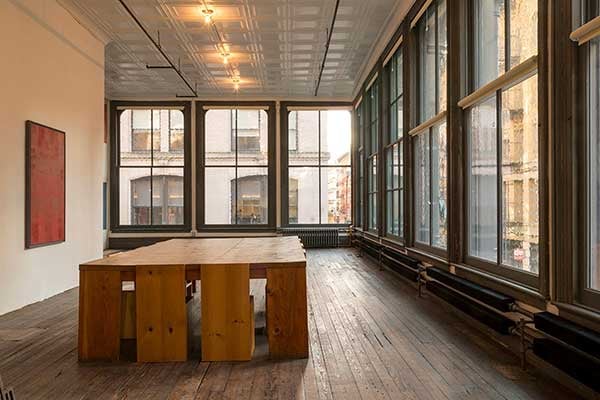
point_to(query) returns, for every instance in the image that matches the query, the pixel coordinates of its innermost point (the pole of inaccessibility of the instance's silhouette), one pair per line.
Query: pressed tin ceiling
(276, 46)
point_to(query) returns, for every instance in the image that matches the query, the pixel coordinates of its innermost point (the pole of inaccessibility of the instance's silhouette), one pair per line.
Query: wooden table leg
(161, 313)
(99, 315)
(287, 313)
(227, 313)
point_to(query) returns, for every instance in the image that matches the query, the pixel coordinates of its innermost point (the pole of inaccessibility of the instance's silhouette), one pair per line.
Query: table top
(258, 252)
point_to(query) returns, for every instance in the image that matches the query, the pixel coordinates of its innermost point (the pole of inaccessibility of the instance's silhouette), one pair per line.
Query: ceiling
(276, 46)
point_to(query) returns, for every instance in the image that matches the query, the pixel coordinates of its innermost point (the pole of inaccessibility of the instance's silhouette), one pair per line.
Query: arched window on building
(167, 200)
(251, 199)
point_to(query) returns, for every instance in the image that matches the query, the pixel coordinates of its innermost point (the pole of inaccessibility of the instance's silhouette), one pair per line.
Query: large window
(429, 137)
(236, 167)
(319, 179)
(394, 187)
(503, 163)
(150, 180)
(372, 142)
(360, 158)
(588, 38)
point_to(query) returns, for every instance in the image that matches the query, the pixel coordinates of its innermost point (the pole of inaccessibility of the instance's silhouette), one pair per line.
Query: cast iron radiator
(315, 237)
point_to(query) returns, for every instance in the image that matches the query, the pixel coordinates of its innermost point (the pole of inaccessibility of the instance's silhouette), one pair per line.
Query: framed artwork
(44, 185)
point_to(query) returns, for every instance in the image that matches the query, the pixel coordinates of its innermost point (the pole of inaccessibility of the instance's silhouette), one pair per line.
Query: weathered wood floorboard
(371, 337)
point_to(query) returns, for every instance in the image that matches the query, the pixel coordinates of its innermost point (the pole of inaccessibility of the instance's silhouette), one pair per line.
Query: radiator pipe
(329, 34)
(159, 48)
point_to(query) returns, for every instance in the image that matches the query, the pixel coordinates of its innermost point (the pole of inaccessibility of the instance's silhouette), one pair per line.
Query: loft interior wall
(52, 73)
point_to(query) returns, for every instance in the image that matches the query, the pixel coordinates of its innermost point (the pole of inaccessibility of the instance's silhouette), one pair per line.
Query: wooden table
(160, 272)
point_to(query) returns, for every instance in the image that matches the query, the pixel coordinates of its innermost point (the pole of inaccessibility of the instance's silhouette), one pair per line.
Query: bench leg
(287, 313)
(161, 313)
(99, 315)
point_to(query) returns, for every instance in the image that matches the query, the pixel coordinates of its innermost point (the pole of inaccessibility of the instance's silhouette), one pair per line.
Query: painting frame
(31, 180)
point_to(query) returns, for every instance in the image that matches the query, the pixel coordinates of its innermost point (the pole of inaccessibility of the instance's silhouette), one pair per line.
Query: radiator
(315, 237)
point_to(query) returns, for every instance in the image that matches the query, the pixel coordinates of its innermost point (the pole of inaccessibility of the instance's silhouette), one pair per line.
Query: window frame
(392, 104)
(372, 153)
(270, 110)
(116, 109)
(284, 111)
(426, 127)
(584, 296)
(513, 75)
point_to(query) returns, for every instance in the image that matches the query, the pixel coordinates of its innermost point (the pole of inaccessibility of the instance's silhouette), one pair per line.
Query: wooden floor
(371, 337)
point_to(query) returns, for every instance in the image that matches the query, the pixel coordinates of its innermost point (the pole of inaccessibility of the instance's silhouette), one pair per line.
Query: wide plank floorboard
(371, 337)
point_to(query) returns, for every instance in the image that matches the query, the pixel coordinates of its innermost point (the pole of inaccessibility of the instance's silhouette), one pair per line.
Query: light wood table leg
(161, 313)
(99, 315)
(287, 313)
(227, 314)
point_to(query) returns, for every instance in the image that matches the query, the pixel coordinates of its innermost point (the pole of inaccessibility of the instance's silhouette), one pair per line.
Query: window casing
(372, 142)
(429, 138)
(235, 173)
(394, 156)
(150, 180)
(503, 160)
(318, 183)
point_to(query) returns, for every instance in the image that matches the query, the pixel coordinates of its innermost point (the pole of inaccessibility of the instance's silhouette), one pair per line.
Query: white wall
(52, 72)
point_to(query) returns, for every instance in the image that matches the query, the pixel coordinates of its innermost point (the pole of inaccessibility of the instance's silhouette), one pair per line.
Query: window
(372, 141)
(431, 191)
(588, 286)
(236, 167)
(245, 126)
(432, 64)
(394, 189)
(150, 180)
(503, 141)
(175, 130)
(145, 130)
(429, 138)
(319, 180)
(360, 124)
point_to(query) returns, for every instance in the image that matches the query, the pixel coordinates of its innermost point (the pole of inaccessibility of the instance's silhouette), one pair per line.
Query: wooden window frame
(116, 108)
(283, 119)
(202, 107)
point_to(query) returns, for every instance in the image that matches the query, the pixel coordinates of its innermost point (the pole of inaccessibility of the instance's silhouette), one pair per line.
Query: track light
(225, 56)
(208, 14)
(236, 83)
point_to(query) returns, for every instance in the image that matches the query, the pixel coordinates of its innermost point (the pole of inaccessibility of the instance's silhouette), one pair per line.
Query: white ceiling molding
(387, 32)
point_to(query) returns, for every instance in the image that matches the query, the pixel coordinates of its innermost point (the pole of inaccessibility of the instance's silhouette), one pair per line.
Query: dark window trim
(284, 159)
(200, 192)
(115, 146)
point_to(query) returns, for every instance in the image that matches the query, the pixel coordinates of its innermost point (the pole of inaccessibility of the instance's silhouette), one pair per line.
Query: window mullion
(499, 183)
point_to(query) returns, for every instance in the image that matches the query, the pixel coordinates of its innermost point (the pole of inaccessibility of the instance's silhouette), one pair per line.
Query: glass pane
(393, 136)
(594, 164)
(400, 117)
(293, 131)
(373, 211)
(303, 195)
(439, 187)
(134, 196)
(252, 196)
(135, 137)
(489, 41)
(422, 198)
(392, 68)
(219, 195)
(399, 72)
(361, 188)
(374, 124)
(523, 30)
(307, 142)
(401, 213)
(483, 181)
(337, 183)
(336, 129)
(219, 141)
(520, 196)
(167, 196)
(427, 72)
(442, 58)
(361, 124)
(252, 137)
(176, 128)
(372, 206)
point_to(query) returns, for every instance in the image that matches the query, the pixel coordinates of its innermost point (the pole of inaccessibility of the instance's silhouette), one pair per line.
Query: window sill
(579, 314)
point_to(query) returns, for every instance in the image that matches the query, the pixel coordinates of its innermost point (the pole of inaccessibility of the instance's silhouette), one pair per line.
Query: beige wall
(52, 72)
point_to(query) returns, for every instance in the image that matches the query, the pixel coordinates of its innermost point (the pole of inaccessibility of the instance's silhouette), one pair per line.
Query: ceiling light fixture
(236, 83)
(208, 14)
(225, 56)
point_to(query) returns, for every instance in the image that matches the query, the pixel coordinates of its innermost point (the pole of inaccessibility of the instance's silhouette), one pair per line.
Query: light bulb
(208, 13)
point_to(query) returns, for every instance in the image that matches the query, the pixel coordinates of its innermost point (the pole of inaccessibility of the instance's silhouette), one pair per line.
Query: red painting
(45, 185)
